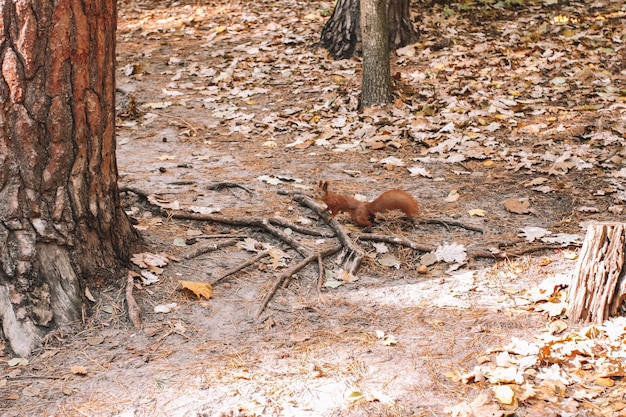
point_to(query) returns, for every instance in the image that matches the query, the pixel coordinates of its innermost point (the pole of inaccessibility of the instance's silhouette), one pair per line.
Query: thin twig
(180, 119)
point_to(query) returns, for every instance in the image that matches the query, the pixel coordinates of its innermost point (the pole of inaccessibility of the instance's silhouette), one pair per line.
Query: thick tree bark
(341, 34)
(61, 220)
(598, 289)
(401, 29)
(376, 85)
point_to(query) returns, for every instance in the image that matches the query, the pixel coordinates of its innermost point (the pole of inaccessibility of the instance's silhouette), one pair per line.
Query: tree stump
(599, 285)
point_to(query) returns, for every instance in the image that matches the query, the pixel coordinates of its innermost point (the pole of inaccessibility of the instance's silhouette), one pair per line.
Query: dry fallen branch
(291, 271)
(133, 307)
(472, 253)
(239, 267)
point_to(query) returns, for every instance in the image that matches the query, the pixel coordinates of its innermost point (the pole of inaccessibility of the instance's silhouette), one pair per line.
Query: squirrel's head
(321, 191)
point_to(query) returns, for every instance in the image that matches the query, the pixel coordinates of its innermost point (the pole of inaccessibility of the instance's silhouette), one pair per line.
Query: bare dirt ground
(492, 104)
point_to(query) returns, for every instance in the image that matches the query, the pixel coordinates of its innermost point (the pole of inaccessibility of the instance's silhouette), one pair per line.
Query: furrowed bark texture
(341, 35)
(376, 86)
(60, 214)
(598, 288)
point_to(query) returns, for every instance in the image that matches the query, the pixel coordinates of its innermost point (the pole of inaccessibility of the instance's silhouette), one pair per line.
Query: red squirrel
(363, 213)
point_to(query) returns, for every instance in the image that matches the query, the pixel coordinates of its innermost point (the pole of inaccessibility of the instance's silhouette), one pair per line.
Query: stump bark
(598, 287)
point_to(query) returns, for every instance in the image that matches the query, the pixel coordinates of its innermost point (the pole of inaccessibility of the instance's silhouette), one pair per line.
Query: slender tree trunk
(376, 86)
(341, 34)
(61, 221)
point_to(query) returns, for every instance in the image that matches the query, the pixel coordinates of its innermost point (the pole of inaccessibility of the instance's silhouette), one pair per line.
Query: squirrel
(363, 213)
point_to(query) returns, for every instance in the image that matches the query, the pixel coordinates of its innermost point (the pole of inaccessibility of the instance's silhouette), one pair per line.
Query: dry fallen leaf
(95, 340)
(78, 370)
(200, 289)
(517, 205)
(452, 196)
(164, 308)
(477, 212)
(88, 295)
(504, 394)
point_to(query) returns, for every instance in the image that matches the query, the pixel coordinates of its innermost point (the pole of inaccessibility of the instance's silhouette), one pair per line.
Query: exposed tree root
(291, 271)
(448, 223)
(227, 184)
(201, 248)
(352, 263)
(262, 223)
(351, 256)
(239, 267)
(472, 253)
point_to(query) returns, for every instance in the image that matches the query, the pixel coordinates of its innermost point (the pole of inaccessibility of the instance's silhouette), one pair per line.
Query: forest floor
(511, 120)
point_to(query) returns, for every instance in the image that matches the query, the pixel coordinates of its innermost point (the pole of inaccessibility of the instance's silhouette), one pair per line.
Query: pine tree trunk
(376, 86)
(61, 221)
(341, 34)
(598, 289)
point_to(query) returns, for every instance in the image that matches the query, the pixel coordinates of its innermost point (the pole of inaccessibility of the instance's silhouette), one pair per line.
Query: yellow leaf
(477, 212)
(338, 79)
(355, 395)
(605, 382)
(488, 163)
(545, 261)
(220, 29)
(200, 289)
